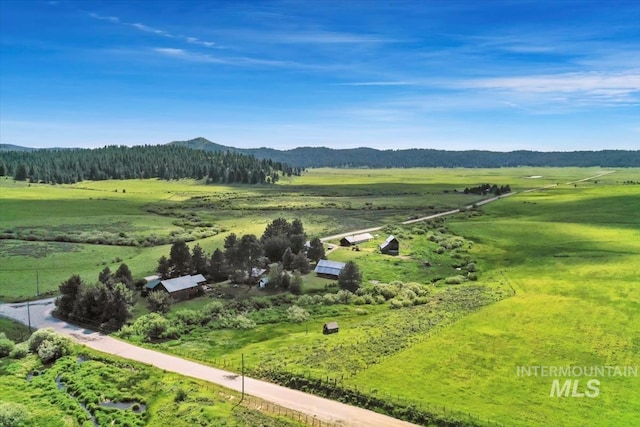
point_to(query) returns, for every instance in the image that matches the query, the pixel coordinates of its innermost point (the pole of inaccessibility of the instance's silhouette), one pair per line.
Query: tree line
(121, 162)
(307, 157)
(485, 189)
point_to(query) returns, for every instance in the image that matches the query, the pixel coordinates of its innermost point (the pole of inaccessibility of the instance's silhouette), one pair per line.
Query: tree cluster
(120, 162)
(105, 305)
(281, 247)
(488, 189)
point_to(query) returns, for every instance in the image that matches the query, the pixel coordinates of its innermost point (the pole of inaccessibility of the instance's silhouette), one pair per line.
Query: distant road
(314, 406)
(455, 211)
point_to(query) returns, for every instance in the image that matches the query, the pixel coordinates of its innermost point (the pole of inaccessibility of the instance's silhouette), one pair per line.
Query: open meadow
(52, 231)
(542, 278)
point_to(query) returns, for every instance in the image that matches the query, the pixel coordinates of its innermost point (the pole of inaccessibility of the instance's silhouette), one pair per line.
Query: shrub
(344, 296)
(239, 321)
(471, 267)
(361, 311)
(159, 302)
(213, 309)
(189, 317)
(395, 304)
(181, 396)
(358, 300)
(329, 299)
(6, 346)
(151, 326)
(48, 345)
(454, 280)
(388, 291)
(297, 314)
(472, 276)
(305, 300)
(19, 351)
(13, 414)
(38, 337)
(172, 332)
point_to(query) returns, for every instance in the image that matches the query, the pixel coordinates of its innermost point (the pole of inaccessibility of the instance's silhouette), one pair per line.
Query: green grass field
(573, 255)
(571, 252)
(328, 201)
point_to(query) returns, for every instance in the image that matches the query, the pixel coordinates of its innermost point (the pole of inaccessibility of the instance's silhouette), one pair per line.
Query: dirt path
(314, 406)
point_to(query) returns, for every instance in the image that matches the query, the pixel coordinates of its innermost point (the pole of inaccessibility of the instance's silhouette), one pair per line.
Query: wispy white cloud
(186, 55)
(380, 83)
(112, 19)
(148, 29)
(582, 88)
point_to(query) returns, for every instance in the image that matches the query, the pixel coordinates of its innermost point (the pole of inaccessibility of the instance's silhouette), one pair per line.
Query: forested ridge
(306, 157)
(157, 161)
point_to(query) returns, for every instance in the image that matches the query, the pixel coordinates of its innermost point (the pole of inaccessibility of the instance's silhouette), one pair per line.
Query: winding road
(314, 406)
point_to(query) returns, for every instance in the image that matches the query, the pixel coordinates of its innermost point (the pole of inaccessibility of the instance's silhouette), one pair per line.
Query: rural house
(355, 239)
(330, 328)
(180, 288)
(390, 246)
(329, 269)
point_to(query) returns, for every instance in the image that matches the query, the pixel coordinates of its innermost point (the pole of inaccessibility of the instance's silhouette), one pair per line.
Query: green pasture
(573, 256)
(16, 332)
(571, 252)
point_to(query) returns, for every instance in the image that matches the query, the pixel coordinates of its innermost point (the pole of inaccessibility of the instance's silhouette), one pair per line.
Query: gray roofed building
(355, 239)
(330, 328)
(390, 246)
(329, 268)
(179, 287)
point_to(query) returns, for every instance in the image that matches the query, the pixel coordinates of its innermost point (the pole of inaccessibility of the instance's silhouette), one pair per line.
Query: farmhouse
(180, 288)
(330, 328)
(329, 269)
(390, 246)
(355, 239)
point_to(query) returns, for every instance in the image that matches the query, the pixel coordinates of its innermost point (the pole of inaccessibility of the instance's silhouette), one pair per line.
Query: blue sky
(481, 74)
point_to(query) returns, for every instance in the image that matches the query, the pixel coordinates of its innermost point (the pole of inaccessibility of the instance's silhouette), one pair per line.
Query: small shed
(330, 328)
(329, 269)
(355, 239)
(390, 246)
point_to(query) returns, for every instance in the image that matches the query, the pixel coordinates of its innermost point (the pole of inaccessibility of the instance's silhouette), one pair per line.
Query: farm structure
(330, 328)
(329, 269)
(390, 246)
(355, 239)
(180, 288)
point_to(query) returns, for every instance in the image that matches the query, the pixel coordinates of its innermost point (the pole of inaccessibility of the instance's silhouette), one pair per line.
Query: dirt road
(314, 406)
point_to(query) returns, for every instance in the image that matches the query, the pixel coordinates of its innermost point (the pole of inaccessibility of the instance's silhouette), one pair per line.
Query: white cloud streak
(381, 83)
(583, 88)
(210, 59)
(148, 29)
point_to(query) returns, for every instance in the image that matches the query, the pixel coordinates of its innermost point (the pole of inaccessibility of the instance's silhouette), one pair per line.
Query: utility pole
(242, 396)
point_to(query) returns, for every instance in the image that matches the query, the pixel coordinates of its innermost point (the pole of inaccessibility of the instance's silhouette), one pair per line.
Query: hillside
(306, 157)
